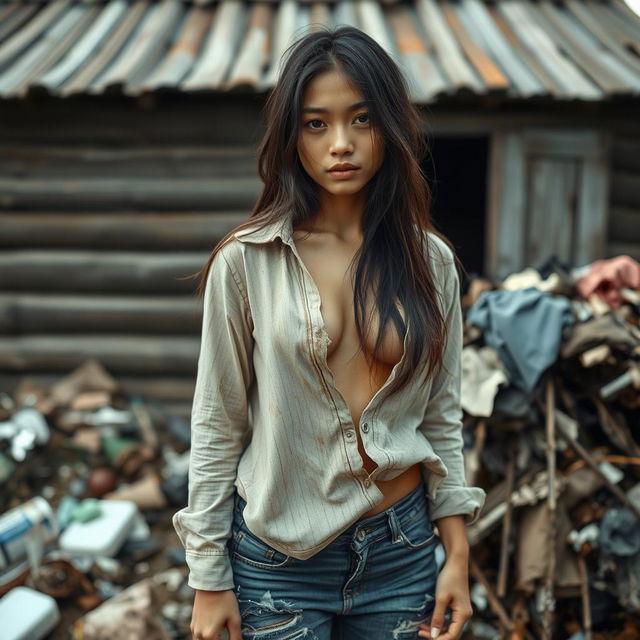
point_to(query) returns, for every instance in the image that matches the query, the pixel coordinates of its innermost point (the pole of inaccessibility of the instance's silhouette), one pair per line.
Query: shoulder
(442, 263)
(439, 251)
(231, 257)
(227, 268)
(438, 255)
(435, 248)
(231, 251)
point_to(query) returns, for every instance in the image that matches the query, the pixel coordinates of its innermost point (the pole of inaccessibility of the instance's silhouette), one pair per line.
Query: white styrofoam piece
(27, 614)
(104, 535)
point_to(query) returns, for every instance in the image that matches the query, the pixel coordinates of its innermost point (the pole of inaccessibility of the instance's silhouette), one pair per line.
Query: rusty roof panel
(32, 30)
(559, 74)
(477, 19)
(84, 48)
(220, 46)
(48, 50)
(560, 49)
(254, 53)
(13, 16)
(595, 61)
(184, 52)
(284, 25)
(124, 27)
(491, 75)
(448, 51)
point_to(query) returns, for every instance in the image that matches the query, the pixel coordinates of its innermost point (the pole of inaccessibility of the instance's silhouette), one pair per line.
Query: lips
(343, 166)
(343, 174)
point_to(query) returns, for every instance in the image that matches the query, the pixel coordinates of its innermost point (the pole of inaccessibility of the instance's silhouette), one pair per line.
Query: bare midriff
(327, 259)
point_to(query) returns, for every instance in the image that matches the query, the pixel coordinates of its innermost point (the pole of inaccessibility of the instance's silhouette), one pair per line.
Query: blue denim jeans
(375, 581)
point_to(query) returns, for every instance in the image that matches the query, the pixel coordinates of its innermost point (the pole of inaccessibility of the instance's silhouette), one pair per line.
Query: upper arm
(225, 363)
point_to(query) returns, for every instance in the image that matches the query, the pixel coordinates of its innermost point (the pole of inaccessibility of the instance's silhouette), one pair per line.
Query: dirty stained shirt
(268, 420)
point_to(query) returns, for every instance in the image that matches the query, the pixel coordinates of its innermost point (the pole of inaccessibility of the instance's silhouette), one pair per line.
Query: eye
(306, 124)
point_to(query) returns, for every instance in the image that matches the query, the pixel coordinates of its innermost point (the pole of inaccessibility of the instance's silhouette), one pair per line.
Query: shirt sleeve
(442, 424)
(218, 428)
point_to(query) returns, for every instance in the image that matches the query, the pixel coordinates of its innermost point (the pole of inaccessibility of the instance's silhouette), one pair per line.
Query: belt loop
(394, 526)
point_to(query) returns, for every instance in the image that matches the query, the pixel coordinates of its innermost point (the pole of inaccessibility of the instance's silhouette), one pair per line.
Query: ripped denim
(375, 581)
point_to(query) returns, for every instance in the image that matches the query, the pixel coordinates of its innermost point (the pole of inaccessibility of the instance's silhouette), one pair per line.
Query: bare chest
(332, 274)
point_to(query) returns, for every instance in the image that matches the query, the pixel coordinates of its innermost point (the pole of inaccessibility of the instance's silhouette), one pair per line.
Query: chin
(350, 190)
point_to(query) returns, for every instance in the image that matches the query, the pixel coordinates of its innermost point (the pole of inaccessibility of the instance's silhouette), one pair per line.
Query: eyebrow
(357, 105)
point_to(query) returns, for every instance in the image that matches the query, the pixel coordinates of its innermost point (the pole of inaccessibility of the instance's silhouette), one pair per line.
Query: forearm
(451, 530)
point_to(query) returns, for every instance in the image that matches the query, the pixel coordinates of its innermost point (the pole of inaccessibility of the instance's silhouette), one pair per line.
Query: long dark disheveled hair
(398, 197)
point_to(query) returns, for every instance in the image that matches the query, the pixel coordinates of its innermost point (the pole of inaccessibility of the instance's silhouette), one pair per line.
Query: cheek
(307, 153)
(302, 154)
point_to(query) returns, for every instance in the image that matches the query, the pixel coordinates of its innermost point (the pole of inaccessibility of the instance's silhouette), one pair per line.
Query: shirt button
(367, 482)
(365, 427)
(350, 434)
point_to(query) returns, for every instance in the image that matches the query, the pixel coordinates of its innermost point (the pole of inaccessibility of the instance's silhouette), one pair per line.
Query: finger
(425, 631)
(437, 619)
(453, 632)
(455, 627)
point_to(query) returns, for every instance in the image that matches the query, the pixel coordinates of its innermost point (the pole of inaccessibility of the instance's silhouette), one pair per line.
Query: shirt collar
(278, 229)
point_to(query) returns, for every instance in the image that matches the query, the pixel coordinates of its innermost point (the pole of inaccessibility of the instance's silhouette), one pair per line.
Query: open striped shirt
(267, 420)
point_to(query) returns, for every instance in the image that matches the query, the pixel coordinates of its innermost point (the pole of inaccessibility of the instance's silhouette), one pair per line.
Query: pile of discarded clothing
(91, 476)
(551, 399)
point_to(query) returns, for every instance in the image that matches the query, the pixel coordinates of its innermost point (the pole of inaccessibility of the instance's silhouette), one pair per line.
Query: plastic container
(27, 614)
(32, 523)
(104, 535)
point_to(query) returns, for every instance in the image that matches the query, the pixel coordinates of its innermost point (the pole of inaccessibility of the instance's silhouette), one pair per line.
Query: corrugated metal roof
(566, 49)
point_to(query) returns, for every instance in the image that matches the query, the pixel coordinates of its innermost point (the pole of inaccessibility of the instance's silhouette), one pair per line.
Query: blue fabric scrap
(525, 328)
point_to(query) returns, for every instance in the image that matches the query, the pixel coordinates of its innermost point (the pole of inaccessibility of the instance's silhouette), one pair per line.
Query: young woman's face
(335, 129)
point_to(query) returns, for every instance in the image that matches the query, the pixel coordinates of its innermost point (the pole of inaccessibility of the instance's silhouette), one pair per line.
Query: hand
(452, 591)
(212, 612)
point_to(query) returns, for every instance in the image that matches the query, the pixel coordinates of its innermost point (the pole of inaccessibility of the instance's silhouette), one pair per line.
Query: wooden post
(503, 571)
(584, 591)
(549, 605)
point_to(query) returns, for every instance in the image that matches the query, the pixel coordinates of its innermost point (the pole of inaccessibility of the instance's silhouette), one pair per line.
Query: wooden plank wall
(548, 197)
(107, 204)
(100, 228)
(624, 197)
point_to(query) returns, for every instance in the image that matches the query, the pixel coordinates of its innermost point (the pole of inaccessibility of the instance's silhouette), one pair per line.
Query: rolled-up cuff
(467, 501)
(209, 572)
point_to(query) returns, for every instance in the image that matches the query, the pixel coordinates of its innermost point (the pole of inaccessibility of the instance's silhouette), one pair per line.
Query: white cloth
(482, 374)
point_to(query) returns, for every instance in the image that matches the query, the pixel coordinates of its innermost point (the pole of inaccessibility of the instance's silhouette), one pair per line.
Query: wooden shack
(128, 131)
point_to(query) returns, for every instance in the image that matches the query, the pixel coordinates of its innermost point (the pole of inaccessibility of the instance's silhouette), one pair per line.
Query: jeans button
(360, 535)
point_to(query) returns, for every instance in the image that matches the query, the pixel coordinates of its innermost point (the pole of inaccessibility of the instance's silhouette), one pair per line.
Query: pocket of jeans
(416, 532)
(250, 549)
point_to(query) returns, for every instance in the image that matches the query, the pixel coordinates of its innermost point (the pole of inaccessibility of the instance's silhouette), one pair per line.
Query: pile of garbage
(550, 392)
(91, 476)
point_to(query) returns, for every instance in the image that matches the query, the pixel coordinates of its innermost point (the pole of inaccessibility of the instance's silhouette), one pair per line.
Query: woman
(326, 423)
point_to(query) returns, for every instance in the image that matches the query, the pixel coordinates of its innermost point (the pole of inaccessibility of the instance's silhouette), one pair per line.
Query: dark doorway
(458, 178)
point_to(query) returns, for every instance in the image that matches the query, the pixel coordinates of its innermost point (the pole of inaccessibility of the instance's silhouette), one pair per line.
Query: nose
(341, 141)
